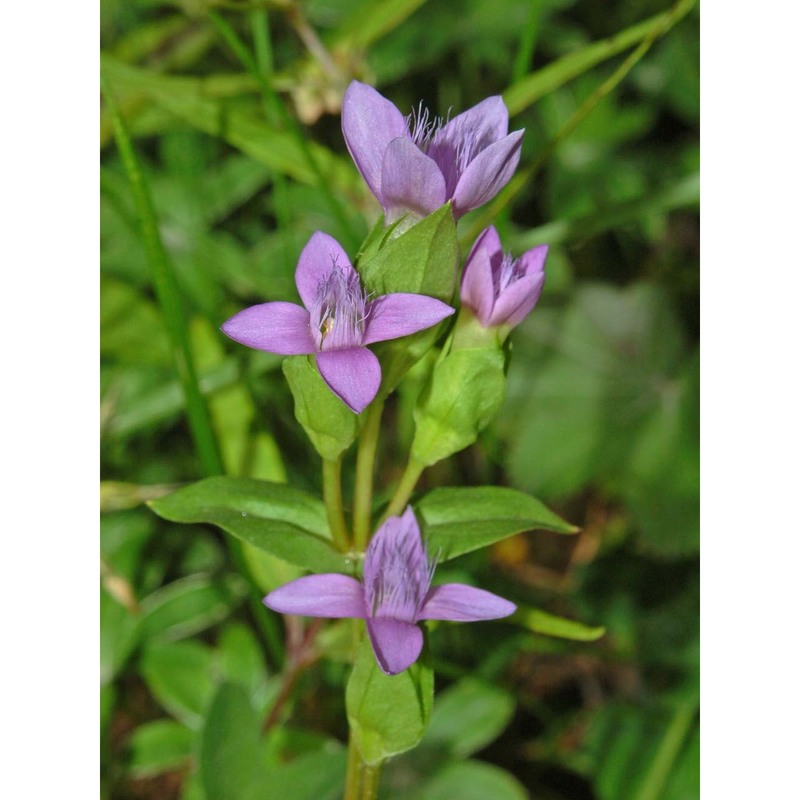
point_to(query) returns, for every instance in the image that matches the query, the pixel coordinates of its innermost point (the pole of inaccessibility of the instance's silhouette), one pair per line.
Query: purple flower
(499, 289)
(395, 595)
(337, 322)
(416, 164)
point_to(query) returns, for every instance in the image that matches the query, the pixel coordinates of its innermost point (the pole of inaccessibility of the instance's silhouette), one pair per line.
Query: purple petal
(396, 315)
(369, 123)
(477, 285)
(396, 645)
(516, 302)
(487, 122)
(315, 262)
(489, 240)
(458, 602)
(281, 328)
(487, 174)
(353, 375)
(532, 261)
(330, 595)
(410, 181)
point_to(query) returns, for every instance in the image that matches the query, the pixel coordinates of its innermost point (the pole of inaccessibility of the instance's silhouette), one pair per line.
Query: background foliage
(232, 109)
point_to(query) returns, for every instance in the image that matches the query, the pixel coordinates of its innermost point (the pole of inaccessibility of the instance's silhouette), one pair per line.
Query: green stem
(332, 494)
(404, 489)
(352, 784)
(365, 466)
(168, 294)
(370, 778)
(362, 779)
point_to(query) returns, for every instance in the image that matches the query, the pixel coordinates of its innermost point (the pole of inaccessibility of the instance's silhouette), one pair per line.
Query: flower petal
(315, 262)
(461, 603)
(329, 595)
(281, 328)
(487, 122)
(369, 123)
(410, 181)
(489, 240)
(353, 375)
(487, 174)
(477, 285)
(532, 261)
(396, 315)
(516, 302)
(396, 645)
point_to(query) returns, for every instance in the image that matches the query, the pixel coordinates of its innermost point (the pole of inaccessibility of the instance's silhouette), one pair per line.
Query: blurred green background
(233, 112)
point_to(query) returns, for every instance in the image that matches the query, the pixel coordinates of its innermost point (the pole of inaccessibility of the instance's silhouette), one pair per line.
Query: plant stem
(362, 779)
(332, 494)
(404, 489)
(168, 294)
(365, 466)
(352, 784)
(370, 778)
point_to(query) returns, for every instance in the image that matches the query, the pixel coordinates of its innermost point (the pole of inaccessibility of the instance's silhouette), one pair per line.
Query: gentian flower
(337, 323)
(497, 288)
(396, 594)
(416, 164)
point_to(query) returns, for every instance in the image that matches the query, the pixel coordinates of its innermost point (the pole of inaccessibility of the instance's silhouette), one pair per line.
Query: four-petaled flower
(499, 289)
(416, 164)
(337, 323)
(395, 595)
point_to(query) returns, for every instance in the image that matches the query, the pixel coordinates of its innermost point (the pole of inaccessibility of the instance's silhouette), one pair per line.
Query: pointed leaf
(286, 522)
(550, 625)
(457, 520)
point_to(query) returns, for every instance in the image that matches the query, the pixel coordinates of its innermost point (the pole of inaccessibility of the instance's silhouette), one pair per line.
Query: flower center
(509, 272)
(339, 311)
(397, 576)
(422, 126)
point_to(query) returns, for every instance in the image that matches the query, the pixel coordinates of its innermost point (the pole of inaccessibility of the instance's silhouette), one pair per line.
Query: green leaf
(243, 663)
(465, 391)
(387, 714)
(550, 625)
(286, 522)
(159, 746)
(132, 330)
(202, 102)
(313, 776)
(231, 762)
(421, 260)
(468, 716)
(179, 674)
(190, 605)
(458, 520)
(328, 422)
(472, 780)
(119, 635)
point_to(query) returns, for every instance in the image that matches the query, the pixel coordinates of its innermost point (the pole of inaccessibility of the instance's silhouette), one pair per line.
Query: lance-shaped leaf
(286, 522)
(458, 520)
